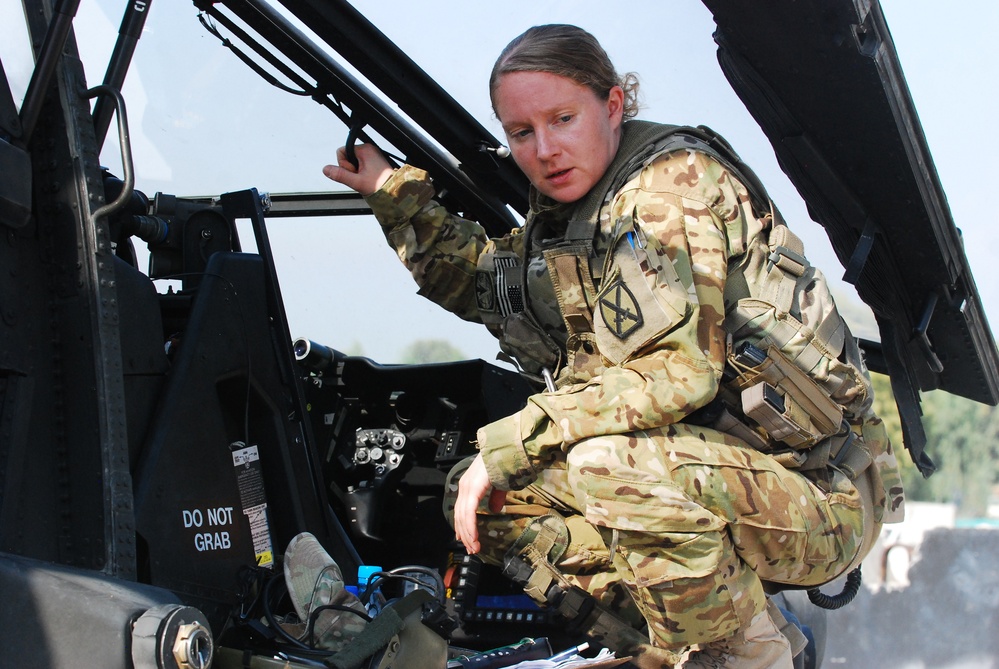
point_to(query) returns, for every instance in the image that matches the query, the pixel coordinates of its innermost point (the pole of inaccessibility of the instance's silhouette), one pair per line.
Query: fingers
(342, 175)
(344, 162)
(466, 528)
(473, 487)
(372, 170)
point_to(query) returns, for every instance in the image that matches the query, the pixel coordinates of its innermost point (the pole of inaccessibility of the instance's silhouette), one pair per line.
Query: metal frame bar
(477, 184)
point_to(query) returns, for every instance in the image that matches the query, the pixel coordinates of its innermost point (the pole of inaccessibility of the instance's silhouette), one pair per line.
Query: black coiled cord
(833, 602)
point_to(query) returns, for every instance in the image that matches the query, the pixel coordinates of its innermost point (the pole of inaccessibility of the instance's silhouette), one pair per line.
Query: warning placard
(212, 528)
(252, 497)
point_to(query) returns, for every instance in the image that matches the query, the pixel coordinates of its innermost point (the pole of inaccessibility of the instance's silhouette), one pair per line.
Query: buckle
(574, 605)
(787, 260)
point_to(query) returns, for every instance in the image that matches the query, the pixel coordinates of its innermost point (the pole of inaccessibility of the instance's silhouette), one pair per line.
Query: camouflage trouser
(686, 521)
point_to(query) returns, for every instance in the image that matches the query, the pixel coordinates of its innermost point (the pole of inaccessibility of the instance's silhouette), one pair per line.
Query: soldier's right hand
(473, 487)
(371, 172)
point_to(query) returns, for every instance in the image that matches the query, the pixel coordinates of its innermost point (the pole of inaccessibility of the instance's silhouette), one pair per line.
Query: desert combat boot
(760, 645)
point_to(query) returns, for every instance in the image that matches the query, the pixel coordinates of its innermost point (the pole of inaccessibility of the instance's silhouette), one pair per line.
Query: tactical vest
(539, 299)
(793, 368)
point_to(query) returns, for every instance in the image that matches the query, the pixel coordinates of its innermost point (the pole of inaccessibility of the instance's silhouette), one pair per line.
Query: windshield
(15, 50)
(202, 123)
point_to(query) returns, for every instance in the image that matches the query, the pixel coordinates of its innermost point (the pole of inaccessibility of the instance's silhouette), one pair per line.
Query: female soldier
(640, 240)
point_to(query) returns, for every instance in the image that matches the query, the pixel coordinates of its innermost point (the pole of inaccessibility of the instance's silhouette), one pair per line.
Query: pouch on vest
(792, 371)
(501, 298)
(783, 400)
(533, 349)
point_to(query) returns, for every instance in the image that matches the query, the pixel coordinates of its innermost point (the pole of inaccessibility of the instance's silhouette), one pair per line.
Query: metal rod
(128, 36)
(418, 95)
(477, 200)
(45, 66)
(128, 183)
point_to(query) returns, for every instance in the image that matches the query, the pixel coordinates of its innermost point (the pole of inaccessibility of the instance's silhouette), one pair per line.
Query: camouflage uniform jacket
(686, 219)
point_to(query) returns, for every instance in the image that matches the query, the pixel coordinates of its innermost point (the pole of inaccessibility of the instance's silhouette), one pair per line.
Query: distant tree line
(424, 351)
(962, 439)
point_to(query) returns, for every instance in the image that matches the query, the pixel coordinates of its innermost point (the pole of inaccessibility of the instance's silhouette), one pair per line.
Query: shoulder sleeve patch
(619, 309)
(630, 313)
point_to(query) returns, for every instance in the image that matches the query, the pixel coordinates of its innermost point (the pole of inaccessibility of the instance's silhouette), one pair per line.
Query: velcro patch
(620, 310)
(485, 294)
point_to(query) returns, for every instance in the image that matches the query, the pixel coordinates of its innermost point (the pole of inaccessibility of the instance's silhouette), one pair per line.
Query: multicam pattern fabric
(440, 250)
(314, 580)
(692, 517)
(695, 519)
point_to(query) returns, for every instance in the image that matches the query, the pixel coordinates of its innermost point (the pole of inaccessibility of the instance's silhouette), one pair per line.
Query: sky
(203, 123)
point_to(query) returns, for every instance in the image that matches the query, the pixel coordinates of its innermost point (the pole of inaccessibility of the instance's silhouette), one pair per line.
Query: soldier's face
(560, 133)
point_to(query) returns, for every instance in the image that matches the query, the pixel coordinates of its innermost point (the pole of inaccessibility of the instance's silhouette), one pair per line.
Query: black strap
(379, 632)
(267, 76)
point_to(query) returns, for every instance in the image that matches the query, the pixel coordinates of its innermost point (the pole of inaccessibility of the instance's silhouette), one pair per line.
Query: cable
(833, 602)
(314, 618)
(272, 621)
(248, 61)
(433, 573)
(373, 584)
